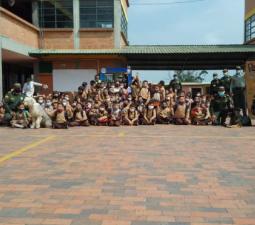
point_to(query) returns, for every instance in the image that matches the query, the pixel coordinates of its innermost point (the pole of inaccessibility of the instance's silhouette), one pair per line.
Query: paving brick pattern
(162, 175)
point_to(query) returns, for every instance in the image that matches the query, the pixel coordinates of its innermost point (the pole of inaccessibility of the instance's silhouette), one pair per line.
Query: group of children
(116, 104)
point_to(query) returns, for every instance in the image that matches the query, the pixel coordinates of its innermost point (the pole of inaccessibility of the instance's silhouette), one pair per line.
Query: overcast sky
(205, 22)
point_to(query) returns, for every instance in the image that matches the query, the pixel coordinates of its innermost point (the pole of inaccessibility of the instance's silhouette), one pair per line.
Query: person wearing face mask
(41, 101)
(215, 83)
(115, 115)
(79, 117)
(12, 100)
(176, 85)
(131, 117)
(60, 118)
(145, 93)
(221, 106)
(48, 106)
(21, 118)
(150, 115)
(165, 114)
(238, 87)
(226, 81)
(181, 111)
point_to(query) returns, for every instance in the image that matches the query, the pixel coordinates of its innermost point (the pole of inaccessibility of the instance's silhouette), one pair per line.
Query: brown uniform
(180, 114)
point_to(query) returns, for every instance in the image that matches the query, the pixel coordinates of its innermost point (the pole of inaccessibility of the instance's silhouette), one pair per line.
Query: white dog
(39, 116)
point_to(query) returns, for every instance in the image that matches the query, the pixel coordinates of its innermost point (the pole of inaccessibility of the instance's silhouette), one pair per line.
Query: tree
(191, 75)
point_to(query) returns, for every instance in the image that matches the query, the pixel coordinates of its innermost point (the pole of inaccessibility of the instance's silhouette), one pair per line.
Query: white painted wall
(70, 80)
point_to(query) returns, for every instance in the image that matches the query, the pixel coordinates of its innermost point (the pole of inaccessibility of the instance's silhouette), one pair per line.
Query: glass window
(96, 13)
(56, 13)
(124, 24)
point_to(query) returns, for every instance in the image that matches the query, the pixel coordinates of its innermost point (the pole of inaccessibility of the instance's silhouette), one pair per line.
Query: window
(96, 13)
(56, 13)
(124, 24)
(250, 28)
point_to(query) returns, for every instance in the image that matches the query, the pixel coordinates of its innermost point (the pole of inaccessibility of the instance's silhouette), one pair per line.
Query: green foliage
(191, 75)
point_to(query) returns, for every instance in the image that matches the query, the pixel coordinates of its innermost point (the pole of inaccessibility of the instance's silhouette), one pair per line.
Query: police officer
(237, 89)
(176, 84)
(12, 100)
(221, 106)
(214, 87)
(226, 81)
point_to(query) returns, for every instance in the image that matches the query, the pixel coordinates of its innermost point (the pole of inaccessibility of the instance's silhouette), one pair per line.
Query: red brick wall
(18, 29)
(92, 39)
(58, 39)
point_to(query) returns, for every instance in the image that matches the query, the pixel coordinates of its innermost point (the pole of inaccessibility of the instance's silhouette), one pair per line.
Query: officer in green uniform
(226, 81)
(237, 88)
(176, 85)
(221, 106)
(214, 87)
(12, 100)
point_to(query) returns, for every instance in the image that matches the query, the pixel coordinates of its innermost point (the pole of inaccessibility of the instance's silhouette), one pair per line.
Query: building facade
(29, 25)
(249, 39)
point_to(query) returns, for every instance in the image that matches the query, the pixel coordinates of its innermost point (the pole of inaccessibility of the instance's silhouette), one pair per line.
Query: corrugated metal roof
(153, 49)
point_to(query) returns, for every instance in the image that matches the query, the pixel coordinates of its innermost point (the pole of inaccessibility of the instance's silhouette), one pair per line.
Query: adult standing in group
(226, 81)
(29, 87)
(237, 89)
(214, 87)
(176, 84)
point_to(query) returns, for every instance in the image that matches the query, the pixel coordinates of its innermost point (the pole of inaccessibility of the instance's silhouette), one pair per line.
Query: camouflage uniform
(12, 100)
(221, 107)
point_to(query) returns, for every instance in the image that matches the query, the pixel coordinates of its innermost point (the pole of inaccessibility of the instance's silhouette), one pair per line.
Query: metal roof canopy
(171, 57)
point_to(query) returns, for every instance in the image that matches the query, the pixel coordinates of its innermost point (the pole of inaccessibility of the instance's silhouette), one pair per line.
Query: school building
(66, 42)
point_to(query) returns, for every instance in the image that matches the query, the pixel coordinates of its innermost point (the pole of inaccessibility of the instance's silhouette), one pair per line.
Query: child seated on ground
(115, 115)
(131, 116)
(149, 116)
(102, 116)
(200, 115)
(165, 114)
(3, 121)
(79, 117)
(181, 112)
(60, 118)
(21, 118)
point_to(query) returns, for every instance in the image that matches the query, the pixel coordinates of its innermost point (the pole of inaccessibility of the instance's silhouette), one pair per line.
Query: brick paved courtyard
(163, 175)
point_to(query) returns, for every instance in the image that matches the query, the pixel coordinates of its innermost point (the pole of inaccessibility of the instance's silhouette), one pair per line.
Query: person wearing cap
(176, 84)
(221, 106)
(214, 85)
(29, 87)
(12, 100)
(225, 81)
(237, 89)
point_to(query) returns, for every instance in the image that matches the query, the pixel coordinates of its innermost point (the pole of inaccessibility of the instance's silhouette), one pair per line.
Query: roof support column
(117, 23)
(35, 14)
(76, 23)
(1, 71)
